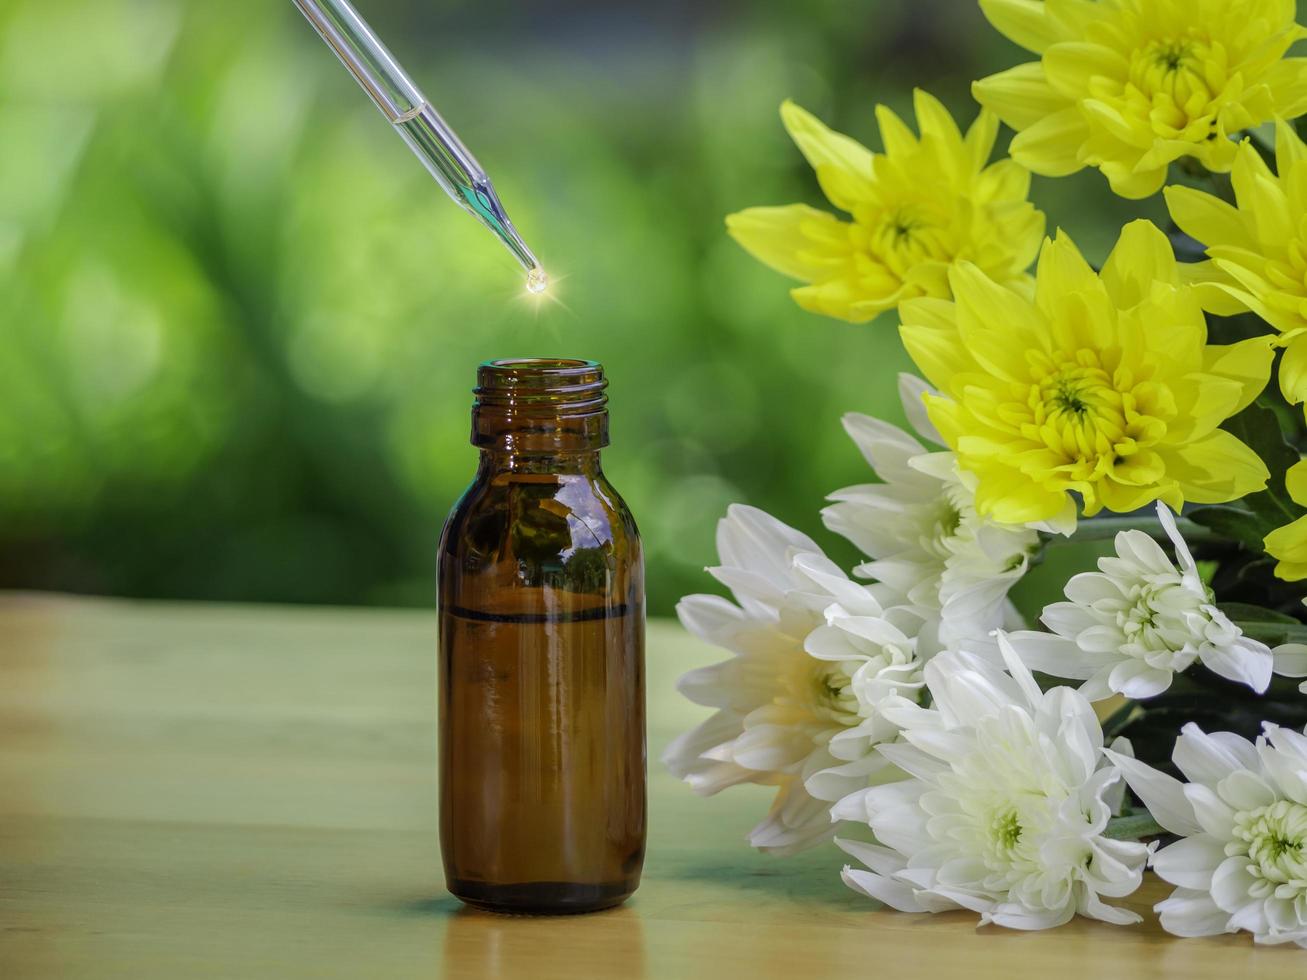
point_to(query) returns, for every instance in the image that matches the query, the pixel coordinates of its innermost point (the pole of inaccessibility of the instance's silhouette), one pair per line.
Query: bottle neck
(540, 408)
(584, 463)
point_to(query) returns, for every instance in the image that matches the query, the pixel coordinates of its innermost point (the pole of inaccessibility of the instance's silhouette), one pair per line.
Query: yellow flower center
(907, 235)
(1173, 84)
(1096, 419)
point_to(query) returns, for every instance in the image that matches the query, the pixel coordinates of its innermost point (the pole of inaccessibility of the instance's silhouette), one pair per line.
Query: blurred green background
(239, 324)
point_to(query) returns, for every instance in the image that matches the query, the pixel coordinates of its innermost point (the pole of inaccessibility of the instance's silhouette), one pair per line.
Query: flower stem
(1135, 825)
(1106, 528)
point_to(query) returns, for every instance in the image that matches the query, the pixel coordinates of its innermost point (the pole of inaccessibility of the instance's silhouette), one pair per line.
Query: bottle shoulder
(565, 530)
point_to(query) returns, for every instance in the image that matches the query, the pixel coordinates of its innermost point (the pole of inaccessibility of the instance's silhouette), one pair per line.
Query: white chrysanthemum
(878, 653)
(1131, 626)
(1242, 865)
(1006, 806)
(920, 527)
(779, 706)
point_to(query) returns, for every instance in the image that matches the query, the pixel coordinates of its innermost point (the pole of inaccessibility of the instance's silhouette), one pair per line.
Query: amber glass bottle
(542, 754)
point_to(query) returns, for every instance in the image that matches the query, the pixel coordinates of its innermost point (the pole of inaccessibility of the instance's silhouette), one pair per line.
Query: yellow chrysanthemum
(1257, 251)
(1130, 85)
(1289, 543)
(917, 208)
(1102, 385)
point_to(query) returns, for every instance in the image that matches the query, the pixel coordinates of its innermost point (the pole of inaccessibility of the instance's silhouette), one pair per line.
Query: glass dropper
(429, 136)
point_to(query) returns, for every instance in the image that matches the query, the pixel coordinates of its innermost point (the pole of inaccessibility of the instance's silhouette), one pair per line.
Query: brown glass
(542, 751)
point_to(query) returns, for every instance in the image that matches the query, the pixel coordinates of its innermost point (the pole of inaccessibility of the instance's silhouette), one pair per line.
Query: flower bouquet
(963, 758)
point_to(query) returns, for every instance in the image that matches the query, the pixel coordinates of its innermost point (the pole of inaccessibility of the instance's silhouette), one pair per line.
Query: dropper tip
(537, 281)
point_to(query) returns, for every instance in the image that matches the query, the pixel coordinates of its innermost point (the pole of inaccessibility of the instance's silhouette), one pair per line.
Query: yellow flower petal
(1211, 287)
(1287, 79)
(1206, 218)
(1248, 362)
(1025, 22)
(934, 121)
(1062, 270)
(1007, 495)
(1142, 256)
(1052, 145)
(1020, 96)
(1295, 482)
(1073, 67)
(843, 188)
(980, 144)
(1293, 371)
(1216, 468)
(775, 236)
(1289, 149)
(937, 314)
(822, 145)
(1289, 543)
(936, 353)
(839, 299)
(1131, 183)
(894, 133)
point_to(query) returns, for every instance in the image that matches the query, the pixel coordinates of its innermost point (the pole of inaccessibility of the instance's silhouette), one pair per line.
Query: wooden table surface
(192, 791)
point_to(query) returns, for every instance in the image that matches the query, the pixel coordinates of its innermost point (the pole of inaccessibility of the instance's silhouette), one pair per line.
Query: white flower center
(941, 525)
(1274, 838)
(829, 693)
(1005, 830)
(1162, 620)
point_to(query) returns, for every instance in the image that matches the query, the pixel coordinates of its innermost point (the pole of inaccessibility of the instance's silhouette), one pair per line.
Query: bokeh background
(239, 324)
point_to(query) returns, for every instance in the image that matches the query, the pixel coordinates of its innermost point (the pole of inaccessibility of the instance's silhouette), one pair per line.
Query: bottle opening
(540, 404)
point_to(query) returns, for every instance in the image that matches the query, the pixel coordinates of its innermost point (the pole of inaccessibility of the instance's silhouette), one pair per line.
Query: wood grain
(199, 791)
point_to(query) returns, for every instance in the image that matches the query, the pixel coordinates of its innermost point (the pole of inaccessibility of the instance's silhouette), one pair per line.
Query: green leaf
(1135, 825)
(1247, 611)
(1258, 427)
(1267, 625)
(1231, 522)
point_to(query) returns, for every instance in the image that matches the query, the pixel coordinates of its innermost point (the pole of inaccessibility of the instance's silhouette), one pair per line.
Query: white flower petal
(882, 860)
(1136, 679)
(685, 753)
(1167, 520)
(1207, 759)
(710, 617)
(1055, 655)
(1163, 795)
(1245, 662)
(1287, 773)
(1092, 907)
(1245, 791)
(885, 447)
(1190, 862)
(751, 539)
(1291, 659)
(882, 889)
(911, 392)
(1212, 813)
(1089, 587)
(837, 782)
(1191, 913)
(1067, 619)
(1015, 916)
(1231, 884)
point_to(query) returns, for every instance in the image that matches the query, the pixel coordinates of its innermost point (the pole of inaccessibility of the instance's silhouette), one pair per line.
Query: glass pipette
(429, 136)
